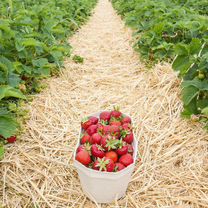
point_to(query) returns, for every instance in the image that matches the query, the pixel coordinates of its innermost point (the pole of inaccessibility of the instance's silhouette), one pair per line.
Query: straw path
(37, 171)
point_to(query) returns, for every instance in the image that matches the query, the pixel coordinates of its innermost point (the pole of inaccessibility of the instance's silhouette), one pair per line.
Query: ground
(38, 170)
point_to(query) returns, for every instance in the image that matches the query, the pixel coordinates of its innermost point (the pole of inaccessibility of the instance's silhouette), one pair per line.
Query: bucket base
(105, 201)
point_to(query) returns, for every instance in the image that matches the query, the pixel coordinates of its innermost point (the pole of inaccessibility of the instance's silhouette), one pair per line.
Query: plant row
(33, 44)
(174, 31)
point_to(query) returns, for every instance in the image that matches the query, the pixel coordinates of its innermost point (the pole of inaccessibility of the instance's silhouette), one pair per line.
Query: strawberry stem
(102, 164)
(120, 144)
(104, 123)
(112, 144)
(124, 133)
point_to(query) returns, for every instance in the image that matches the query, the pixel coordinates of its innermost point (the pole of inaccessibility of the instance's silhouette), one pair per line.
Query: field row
(33, 44)
(174, 31)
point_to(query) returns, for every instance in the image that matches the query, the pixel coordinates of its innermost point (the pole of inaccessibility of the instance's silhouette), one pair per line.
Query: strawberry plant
(174, 31)
(33, 44)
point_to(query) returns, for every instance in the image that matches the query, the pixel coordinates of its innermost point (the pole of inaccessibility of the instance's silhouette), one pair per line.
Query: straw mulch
(38, 171)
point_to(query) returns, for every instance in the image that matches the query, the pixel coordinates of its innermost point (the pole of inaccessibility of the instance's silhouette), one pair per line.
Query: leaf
(7, 63)
(182, 64)
(202, 103)
(8, 91)
(205, 111)
(57, 55)
(186, 113)
(181, 49)
(44, 72)
(8, 126)
(190, 109)
(188, 94)
(14, 80)
(196, 83)
(40, 62)
(201, 85)
(195, 46)
(31, 42)
(4, 26)
(18, 45)
(1, 152)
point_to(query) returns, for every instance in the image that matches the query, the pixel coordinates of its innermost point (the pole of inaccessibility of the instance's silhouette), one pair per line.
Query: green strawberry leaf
(201, 85)
(181, 63)
(195, 46)
(181, 49)
(41, 62)
(191, 108)
(188, 94)
(8, 126)
(8, 91)
(205, 111)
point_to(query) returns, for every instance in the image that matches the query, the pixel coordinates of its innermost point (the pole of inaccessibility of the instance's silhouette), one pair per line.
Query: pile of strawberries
(106, 142)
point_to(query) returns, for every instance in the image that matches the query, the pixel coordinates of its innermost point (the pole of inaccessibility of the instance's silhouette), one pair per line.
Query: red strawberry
(115, 131)
(122, 147)
(83, 157)
(85, 146)
(119, 166)
(127, 126)
(105, 115)
(86, 123)
(126, 119)
(86, 138)
(110, 166)
(96, 165)
(97, 151)
(104, 140)
(103, 128)
(94, 120)
(104, 165)
(100, 128)
(123, 150)
(80, 148)
(115, 123)
(92, 129)
(126, 159)
(96, 138)
(129, 138)
(116, 113)
(12, 139)
(112, 155)
(106, 129)
(130, 149)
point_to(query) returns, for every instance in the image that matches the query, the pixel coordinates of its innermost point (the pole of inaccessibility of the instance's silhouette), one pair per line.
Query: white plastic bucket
(104, 187)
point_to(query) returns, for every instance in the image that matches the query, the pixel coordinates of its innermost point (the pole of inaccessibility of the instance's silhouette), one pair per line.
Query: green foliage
(33, 44)
(8, 124)
(78, 59)
(174, 30)
(8, 91)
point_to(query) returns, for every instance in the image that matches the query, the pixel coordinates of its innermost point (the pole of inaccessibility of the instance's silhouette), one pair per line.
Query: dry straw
(37, 171)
